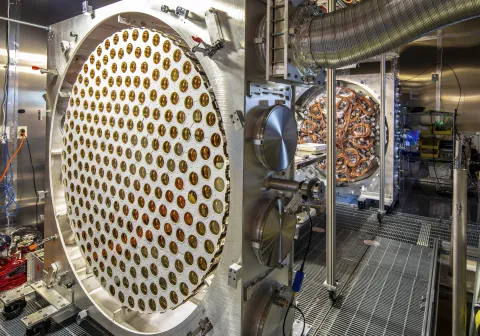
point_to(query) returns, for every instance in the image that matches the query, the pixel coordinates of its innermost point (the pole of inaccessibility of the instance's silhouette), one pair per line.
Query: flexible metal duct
(370, 28)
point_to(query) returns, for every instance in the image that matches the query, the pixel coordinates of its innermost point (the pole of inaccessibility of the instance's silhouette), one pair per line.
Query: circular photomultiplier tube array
(144, 168)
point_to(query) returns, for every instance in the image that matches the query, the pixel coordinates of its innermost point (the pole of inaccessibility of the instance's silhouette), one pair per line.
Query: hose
(370, 28)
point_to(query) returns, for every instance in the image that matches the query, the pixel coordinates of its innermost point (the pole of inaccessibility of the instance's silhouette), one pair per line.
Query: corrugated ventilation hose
(372, 27)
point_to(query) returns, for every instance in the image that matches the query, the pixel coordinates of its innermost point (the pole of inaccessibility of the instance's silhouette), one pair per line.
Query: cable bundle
(13, 272)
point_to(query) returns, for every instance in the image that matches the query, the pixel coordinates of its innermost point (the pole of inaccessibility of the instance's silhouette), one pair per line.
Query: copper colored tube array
(355, 133)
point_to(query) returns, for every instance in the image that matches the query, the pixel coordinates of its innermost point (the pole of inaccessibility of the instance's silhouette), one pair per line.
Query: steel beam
(331, 174)
(458, 256)
(383, 108)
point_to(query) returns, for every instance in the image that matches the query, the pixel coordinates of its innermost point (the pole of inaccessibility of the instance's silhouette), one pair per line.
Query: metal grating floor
(15, 327)
(381, 285)
(403, 227)
(381, 281)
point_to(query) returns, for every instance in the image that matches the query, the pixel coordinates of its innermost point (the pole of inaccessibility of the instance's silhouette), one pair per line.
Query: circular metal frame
(271, 312)
(95, 301)
(274, 234)
(275, 137)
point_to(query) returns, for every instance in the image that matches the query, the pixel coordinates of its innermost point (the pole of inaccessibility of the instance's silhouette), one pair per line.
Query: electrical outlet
(20, 131)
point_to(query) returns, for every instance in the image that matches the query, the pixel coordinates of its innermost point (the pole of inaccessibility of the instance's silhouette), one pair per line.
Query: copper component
(354, 135)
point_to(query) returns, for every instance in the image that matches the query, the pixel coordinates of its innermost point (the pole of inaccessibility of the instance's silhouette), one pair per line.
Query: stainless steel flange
(275, 137)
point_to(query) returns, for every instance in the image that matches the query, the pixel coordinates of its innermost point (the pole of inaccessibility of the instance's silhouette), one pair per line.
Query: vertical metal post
(438, 84)
(459, 249)
(457, 164)
(454, 134)
(331, 171)
(383, 92)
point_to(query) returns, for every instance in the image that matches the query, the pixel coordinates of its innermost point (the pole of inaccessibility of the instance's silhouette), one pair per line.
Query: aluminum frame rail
(331, 247)
(458, 255)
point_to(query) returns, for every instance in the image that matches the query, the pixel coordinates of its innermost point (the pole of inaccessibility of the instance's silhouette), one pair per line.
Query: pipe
(282, 184)
(459, 253)
(457, 165)
(331, 169)
(47, 28)
(370, 28)
(383, 92)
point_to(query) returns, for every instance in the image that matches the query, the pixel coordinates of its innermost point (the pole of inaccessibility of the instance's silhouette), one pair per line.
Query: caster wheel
(361, 205)
(389, 209)
(332, 296)
(380, 217)
(41, 329)
(14, 309)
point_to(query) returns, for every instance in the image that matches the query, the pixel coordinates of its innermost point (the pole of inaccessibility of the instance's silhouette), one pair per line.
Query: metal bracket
(81, 316)
(65, 46)
(205, 48)
(234, 274)
(123, 314)
(24, 292)
(292, 206)
(42, 114)
(51, 275)
(64, 94)
(87, 9)
(51, 295)
(204, 326)
(179, 11)
(43, 71)
(39, 316)
(261, 90)
(238, 119)
(331, 288)
(51, 33)
(35, 265)
(41, 194)
(213, 27)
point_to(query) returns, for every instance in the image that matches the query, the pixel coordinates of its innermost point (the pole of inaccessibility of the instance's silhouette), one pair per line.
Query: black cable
(301, 270)
(286, 314)
(34, 181)
(301, 313)
(454, 73)
(459, 85)
(407, 80)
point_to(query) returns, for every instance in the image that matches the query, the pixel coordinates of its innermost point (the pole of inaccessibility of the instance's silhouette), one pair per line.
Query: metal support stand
(383, 90)
(331, 247)
(458, 256)
(457, 161)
